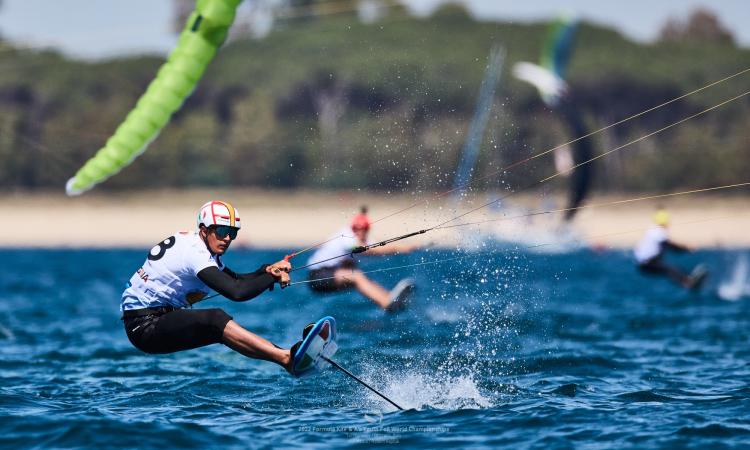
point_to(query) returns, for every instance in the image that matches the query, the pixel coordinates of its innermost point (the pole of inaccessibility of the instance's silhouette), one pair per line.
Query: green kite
(205, 31)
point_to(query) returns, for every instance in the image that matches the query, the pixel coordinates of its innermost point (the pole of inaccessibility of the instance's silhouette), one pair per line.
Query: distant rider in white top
(650, 251)
(332, 272)
(179, 272)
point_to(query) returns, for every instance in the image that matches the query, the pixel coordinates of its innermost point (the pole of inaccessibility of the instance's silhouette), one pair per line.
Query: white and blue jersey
(327, 253)
(650, 246)
(169, 277)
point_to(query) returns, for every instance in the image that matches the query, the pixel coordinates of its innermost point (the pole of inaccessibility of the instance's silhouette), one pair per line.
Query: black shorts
(653, 265)
(326, 282)
(172, 330)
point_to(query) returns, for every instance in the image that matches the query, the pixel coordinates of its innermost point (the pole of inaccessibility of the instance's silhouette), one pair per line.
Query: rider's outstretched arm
(670, 245)
(237, 287)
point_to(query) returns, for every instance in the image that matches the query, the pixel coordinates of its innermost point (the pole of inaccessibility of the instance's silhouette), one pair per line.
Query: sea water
(502, 348)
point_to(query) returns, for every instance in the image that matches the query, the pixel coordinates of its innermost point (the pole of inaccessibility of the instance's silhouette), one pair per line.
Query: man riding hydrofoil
(179, 272)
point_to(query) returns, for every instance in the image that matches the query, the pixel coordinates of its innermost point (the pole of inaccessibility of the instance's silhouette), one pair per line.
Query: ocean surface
(500, 349)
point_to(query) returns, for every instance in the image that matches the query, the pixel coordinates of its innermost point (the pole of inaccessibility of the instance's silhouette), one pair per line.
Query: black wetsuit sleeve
(232, 274)
(669, 245)
(237, 287)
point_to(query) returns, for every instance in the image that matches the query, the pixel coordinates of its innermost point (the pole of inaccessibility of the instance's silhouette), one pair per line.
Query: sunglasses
(222, 231)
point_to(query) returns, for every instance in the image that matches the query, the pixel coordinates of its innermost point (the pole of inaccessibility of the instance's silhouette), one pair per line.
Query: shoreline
(295, 219)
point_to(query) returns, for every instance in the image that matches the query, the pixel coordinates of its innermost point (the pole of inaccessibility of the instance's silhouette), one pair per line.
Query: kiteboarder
(650, 251)
(331, 273)
(178, 272)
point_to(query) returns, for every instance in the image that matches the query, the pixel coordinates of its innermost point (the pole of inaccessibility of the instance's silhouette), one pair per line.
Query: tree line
(337, 103)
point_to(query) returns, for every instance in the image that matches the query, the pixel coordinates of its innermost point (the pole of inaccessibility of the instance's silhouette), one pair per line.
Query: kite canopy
(205, 31)
(549, 75)
(549, 79)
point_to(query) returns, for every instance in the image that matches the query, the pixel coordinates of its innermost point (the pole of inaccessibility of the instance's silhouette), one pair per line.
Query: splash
(518, 227)
(441, 315)
(420, 391)
(738, 285)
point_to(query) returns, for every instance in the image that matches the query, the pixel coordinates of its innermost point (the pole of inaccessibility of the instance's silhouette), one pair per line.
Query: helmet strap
(203, 233)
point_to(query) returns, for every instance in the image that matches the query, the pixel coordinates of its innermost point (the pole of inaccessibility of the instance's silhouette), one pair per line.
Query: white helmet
(218, 213)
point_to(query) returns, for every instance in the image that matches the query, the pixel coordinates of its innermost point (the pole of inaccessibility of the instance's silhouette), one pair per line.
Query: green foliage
(334, 103)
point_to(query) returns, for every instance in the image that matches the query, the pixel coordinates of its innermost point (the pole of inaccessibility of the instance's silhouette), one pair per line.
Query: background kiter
(332, 268)
(651, 249)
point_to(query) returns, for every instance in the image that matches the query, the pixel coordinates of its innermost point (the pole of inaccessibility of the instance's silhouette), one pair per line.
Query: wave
(568, 390)
(567, 364)
(647, 396)
(6, 333)
(714, 430)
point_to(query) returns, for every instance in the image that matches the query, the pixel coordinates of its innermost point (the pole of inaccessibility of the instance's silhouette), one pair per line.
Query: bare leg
(254, 346)
(659, 267)
(370, 289)
(678, 276)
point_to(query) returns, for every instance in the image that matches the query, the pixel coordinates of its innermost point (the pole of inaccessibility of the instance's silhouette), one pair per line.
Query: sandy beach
(278, 219)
